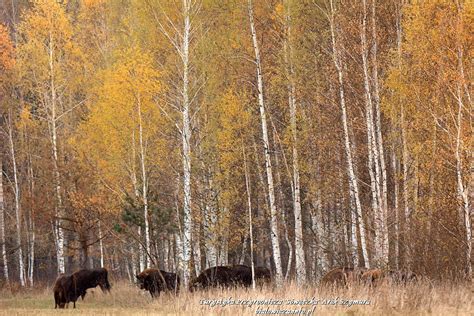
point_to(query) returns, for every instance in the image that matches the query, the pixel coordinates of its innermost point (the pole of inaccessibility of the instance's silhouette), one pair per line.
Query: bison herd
(68, 288)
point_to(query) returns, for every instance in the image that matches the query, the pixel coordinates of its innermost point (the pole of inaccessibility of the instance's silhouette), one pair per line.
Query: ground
(423, 298)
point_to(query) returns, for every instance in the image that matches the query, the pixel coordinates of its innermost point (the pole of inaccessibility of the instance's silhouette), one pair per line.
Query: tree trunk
(249, 205)
(463, 191)
(300, 261)
(101, 245)
(186, 142)
(16, 192)
(141, 251)
(371, 143)
(52, 122)
(31, 221)
(268, 163)
(383, 204)
(2, 226)
(356, 214)
(144, 183)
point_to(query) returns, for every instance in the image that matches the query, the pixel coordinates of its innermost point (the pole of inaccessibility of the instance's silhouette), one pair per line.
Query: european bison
(342, 276)
(62, 295)
(229, 276)
(68, 288)
(375, 276)
(155, 281)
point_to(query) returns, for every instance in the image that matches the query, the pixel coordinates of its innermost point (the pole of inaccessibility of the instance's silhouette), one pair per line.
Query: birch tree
(16, 194)
(2, 227)
(47, 59)
(356, 214)
(380, 152)
(299, 246)
(381, 234)
(181, 33)
(7, 63)
(266, 147)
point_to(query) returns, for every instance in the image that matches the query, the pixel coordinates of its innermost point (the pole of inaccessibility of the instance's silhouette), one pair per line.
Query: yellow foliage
(110, 135)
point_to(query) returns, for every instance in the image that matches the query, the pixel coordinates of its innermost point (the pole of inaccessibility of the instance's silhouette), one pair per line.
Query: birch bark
(356, 213)
(186, 142)
(52, 124)
(144, 183)
(16, 193)
(300, 261)
(2, 226)
(383, 204)
(268, 163)
(249, 205)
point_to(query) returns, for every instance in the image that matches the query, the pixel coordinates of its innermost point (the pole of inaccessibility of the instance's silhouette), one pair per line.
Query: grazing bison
(155, 281)
(244, 274)
(262, 274)
(343, 276)
(229, 276)
(402, 276)
(68, 288)
(375, 276)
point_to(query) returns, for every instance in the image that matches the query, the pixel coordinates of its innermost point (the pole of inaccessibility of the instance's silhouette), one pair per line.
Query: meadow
(422, 298)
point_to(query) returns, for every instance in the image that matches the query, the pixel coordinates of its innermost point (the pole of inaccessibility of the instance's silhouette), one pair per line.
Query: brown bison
(376, 276)
(155, 281)
(227, 276)
(62, 295)
(342, 276)
(68, 288)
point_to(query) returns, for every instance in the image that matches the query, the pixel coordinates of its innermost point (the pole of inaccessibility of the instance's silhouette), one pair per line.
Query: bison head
(141, 279)
(102, 280)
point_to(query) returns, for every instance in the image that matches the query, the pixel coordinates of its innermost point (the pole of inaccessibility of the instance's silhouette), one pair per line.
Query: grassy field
(423, 298)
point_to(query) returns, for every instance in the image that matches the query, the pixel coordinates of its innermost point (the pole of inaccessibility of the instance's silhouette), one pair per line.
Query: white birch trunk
(354, 188)
(52, 121)
(186, 140)
(16, 193)
(101, 245)
(268, 163)
(166, 254)
(463, 192)
(2, 226)
(383, 204)
(141, 251)
(373, 151)
(144, 184)
(300, 261)
(249, 205)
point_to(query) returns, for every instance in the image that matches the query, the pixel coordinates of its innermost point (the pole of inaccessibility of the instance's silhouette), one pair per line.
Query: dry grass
(422, 298)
